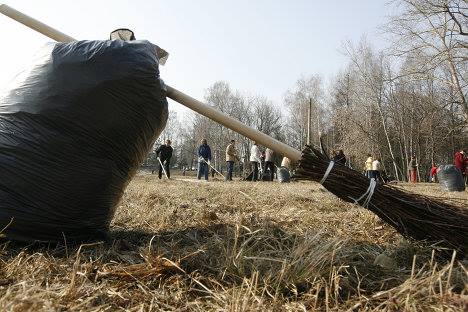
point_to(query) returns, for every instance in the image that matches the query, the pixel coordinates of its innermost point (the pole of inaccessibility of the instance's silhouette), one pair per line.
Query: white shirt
(286, 162)
(376, 165)
(255, 154)
(268, 155)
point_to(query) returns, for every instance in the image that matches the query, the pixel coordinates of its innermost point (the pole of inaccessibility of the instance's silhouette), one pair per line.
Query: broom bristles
(412, 215)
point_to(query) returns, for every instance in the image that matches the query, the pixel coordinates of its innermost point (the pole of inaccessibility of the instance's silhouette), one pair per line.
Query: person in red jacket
(460, 162)
(434, 173)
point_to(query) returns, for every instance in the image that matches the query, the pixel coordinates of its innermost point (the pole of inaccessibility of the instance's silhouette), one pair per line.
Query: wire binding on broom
(412, 215)
(330, 167)
(369, 192)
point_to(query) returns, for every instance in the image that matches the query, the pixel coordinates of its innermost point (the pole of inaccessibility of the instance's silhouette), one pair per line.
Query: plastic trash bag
(450, 179)
(74, 129)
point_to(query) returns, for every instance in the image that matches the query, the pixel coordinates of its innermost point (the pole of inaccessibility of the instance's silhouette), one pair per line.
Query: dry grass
(241, 246)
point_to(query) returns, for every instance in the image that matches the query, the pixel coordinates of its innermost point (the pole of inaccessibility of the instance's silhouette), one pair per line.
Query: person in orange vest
(413, 169)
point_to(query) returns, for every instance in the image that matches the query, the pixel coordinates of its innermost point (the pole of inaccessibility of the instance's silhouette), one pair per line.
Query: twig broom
(412, 215)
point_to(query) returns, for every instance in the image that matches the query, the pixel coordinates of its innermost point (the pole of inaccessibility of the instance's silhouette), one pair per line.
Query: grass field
(241, 246)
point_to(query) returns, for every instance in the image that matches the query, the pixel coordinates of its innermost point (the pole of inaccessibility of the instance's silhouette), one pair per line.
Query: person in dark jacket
(340, 158)
(164, 153)
(204, 158)
(269, 164)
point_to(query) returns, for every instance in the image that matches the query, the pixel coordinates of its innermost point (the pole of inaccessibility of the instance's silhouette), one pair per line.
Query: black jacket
(340, 159)
(164, 152)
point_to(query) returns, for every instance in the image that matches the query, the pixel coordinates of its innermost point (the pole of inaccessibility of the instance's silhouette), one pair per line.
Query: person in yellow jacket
(368, 166)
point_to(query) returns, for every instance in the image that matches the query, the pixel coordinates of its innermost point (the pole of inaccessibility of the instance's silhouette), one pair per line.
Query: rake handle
(172, 93)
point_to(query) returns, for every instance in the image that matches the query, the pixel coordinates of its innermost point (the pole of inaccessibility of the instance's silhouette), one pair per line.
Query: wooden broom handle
(233, 124)
(174, 94)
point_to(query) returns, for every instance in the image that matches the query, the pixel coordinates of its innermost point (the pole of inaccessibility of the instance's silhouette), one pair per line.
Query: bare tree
(297, 103)
(265, 116)
(433, 35)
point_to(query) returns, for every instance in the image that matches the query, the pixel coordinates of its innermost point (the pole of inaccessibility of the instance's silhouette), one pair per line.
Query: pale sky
(258, 46)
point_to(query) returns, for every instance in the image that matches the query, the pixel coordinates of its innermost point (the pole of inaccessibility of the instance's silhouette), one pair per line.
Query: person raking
(164, 153)
(231, 156)
(204, 158)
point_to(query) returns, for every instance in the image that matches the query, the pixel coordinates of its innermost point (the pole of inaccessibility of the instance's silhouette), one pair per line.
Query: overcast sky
(259, 47)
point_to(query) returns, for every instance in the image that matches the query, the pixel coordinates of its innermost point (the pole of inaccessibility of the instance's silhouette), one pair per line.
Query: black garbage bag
(73, 130)
(450, 179)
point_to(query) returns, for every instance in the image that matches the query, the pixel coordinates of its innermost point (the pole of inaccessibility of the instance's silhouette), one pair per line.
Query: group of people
(264, 161)
(258, 160)
(373, 168)
(460, 162)
(164, 155)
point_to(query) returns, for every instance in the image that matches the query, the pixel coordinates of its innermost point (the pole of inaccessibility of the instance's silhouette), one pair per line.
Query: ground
(241, 246)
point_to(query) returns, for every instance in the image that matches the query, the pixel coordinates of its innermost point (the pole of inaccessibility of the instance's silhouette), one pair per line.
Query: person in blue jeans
(204, 158)
(231, 156)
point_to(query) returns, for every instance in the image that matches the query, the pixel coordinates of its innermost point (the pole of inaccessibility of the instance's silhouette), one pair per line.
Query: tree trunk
(390, 149)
